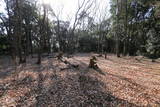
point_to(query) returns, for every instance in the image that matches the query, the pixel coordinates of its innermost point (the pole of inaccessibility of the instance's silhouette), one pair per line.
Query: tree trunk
(117, 33)
(126, 30)
(18, 29)
(30, 43)
(117, 47)
(39, 55)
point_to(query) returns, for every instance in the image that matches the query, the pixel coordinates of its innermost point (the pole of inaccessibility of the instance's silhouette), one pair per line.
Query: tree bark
(117, 33)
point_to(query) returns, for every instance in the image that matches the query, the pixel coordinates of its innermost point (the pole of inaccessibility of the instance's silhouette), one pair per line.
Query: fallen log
(69, 56)
(65, 68)
(60, 57)
(100, 55)
(71, 65)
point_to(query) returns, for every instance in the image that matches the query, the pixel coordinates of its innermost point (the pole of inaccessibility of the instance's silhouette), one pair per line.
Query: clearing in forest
(123, 82)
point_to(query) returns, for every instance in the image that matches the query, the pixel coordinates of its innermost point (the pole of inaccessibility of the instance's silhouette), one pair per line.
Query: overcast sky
(68, 7)
(1, 6)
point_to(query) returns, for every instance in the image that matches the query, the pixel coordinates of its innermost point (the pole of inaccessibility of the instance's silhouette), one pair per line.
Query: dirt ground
(122, 82)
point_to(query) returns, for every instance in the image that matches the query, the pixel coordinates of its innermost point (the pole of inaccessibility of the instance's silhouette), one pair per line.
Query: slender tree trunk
(106, 43)
(48, 37)
(126, 30)
(39, 54)
(30, 43)
(59, 38)
(124, 47)
(27, 39)
(117, 33)
(26, 44)
(99, 44)
(17, 31)
(117, 46)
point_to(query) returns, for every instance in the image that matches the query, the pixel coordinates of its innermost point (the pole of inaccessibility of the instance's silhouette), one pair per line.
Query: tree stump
(93, 63)
(105, 55)
(60, 55)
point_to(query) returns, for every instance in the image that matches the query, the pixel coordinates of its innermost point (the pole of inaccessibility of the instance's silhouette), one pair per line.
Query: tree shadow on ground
(73, 90)
(93, 89)
(6, 72)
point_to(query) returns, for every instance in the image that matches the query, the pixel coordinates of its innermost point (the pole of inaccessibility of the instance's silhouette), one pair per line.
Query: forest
(82, 53)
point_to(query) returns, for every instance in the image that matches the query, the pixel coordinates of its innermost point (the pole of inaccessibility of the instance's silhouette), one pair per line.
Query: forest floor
(122, 82)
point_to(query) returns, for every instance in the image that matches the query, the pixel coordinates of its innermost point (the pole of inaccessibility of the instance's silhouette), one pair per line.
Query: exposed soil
(120, 82)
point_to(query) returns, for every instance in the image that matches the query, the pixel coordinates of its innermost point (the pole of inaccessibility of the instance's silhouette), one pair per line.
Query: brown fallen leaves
(125, 82)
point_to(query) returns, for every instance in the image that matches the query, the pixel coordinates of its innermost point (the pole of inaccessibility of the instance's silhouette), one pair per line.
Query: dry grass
(122, 82)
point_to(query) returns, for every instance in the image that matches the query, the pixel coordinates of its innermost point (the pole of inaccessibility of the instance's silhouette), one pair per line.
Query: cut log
(69, 56)
(71, 65)
(100, 55)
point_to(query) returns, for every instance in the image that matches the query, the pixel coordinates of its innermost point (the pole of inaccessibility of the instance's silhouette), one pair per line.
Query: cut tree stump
(93, 63)
(60, 55)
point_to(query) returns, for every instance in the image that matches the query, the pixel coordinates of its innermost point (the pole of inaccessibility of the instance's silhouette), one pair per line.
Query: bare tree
(82, 9)
(41, 33)
(57, 30)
